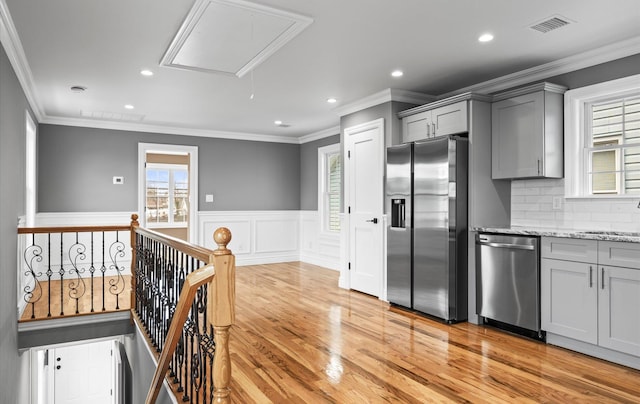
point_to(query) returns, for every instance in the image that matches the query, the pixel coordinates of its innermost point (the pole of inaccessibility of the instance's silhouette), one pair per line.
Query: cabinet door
(619, 309)
(450, 119)
(569, 299)
(518, 136)
(416, 127)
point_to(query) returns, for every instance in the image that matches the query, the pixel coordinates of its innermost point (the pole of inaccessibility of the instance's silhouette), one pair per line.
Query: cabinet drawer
(569, 249)
(619, 254)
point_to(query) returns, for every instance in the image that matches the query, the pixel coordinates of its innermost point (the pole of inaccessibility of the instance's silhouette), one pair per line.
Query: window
(602, 139)
(613, 147)
(167, 195)
(329, 182)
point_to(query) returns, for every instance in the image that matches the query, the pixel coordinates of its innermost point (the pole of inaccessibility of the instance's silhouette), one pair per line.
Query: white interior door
(364, 205)
(83, 373)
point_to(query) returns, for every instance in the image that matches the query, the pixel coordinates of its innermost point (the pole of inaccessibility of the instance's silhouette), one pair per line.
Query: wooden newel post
(222, 312)
(134, 226)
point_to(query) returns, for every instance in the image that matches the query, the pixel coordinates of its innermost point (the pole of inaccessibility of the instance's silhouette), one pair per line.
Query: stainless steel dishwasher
(508, 281)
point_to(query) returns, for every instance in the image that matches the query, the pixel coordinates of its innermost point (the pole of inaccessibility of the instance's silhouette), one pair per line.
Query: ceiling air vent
(550, 24)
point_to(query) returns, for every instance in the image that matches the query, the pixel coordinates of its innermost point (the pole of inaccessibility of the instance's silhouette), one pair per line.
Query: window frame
(577, 103)
(324, 153)
(171, 168)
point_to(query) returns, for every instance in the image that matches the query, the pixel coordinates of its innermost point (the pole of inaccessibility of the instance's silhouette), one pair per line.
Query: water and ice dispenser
(398, 213)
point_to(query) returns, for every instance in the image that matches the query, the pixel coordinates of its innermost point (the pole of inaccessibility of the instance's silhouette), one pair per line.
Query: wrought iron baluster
(117, 285)
(32, 294)
(92, 270)
(103, 269)
(77, 287)
(61, 273)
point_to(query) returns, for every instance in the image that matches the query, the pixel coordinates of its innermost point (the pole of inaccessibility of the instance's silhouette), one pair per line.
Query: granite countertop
(603, 235)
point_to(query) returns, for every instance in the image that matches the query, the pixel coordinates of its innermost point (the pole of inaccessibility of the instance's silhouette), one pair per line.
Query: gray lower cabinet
(594, 300)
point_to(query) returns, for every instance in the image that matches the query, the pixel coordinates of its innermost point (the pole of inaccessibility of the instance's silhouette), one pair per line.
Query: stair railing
(184, 300)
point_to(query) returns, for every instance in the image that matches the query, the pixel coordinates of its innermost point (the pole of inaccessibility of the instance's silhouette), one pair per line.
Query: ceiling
(347, 51)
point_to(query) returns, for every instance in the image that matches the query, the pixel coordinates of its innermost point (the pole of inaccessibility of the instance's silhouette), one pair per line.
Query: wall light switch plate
(118, 180)
(208, 198)
(557, 203)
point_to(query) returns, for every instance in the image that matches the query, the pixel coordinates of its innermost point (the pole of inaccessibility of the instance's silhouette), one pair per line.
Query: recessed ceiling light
(397, 73)
(78, 89)
(128, 106)
(332, 100)
(485, 37)
(277, 122)
(146, 72)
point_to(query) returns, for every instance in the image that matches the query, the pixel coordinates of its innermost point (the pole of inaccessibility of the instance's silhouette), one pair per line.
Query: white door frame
(345, 280)
(143, 149)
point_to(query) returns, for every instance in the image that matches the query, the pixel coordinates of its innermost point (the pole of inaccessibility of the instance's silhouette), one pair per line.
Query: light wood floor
(298, 338)
(51, 292)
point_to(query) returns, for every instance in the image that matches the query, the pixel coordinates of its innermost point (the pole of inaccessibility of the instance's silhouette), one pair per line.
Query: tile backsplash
(532, 205)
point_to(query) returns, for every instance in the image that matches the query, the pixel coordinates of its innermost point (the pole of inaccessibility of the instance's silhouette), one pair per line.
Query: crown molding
(569, 64)
(383, 96)
(335, 130)
(167, 130)
(13, 47)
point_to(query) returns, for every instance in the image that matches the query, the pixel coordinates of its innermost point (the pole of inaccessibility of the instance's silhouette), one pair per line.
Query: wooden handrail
(200, 253)
(220, 274)
(72, 229)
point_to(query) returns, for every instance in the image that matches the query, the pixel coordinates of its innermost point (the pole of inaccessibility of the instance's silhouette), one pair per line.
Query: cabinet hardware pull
(590, 276)
(538, 166)
(428, 130)
(602, 278)
(434, 129)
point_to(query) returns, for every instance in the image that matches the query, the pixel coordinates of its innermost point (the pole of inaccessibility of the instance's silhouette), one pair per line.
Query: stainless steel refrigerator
(426, 204)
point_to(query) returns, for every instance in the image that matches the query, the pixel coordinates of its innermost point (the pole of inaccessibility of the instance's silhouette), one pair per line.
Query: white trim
(13, 47)
(192, 151)
(574, 129)
(383, 96)
(31, 170)
(569, 64)
(169, 130)
(335, 130)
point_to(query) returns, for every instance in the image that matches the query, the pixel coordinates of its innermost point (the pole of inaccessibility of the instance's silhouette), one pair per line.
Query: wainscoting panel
(316, 247)
(258, 237)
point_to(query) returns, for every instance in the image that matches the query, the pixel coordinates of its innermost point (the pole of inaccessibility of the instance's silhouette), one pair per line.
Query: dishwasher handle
(507, 245)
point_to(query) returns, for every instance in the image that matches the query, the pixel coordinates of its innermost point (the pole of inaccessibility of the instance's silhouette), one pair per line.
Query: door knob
(374, 220)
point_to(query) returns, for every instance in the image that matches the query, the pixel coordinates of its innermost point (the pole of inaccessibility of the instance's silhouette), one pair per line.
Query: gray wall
(142, 368)
(596, 74)
(13, 105)
(309, 171)
(76, 166)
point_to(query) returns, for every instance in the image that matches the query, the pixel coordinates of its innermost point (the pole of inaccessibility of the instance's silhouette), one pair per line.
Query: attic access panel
(231, 36)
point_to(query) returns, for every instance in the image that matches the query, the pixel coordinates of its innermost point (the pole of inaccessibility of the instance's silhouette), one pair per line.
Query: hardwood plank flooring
(298, 338)
(51, 292)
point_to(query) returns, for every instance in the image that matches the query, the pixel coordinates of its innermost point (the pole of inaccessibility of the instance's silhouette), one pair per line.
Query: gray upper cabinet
(439, 121)
(527, 132)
